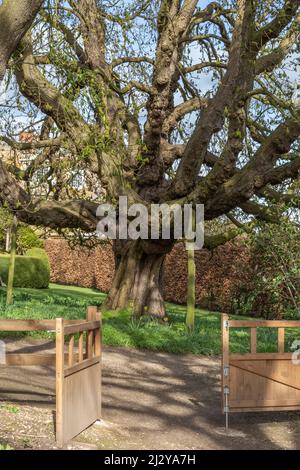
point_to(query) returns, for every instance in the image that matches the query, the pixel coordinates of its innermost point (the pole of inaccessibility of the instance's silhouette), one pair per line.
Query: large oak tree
(163, 101)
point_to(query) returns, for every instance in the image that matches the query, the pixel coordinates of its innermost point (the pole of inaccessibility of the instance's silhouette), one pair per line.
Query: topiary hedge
(31, 271)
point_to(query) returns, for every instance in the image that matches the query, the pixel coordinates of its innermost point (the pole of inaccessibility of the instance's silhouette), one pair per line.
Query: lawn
(119, 329)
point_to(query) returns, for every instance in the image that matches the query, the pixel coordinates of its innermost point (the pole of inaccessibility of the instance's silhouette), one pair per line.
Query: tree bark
(16, 17)
(137, 283)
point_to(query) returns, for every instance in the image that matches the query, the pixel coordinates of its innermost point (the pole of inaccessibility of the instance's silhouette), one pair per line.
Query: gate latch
(226, 390)
(226, 372)
(226, 324)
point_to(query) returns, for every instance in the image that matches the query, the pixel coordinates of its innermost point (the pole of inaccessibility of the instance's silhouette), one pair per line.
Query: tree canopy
(164, 101)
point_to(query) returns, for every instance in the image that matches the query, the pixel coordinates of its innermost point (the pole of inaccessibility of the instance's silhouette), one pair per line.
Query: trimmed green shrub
(31, 271)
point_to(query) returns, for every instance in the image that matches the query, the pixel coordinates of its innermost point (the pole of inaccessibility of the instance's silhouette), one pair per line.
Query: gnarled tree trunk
(138, 277)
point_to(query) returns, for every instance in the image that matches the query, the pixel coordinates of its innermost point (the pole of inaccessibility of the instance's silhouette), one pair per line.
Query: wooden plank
(278, 374)
(264, 324)
(80, 347)
(264, 409)
(25, 359)
(80, 401)
(90, 344)
(60, 337)
(253, 340)
(260, 356)
(33, 325)
(27, 325)
(264, 403)
(71, 351)
(81, 365)
(32, 359)
(79, 327)
(281, 340)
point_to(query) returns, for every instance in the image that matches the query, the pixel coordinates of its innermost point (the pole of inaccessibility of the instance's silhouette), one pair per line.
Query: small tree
(191, 291)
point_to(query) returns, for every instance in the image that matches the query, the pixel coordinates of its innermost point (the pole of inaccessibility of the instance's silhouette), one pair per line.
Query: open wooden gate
(78, 383)
(259, 381)
(78, 371)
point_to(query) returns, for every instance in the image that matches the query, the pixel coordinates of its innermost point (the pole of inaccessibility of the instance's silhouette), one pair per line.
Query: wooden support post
(80, 347)
(71, 351)
(253, 340)
(281, 340)
(60, 359)
(91, 316)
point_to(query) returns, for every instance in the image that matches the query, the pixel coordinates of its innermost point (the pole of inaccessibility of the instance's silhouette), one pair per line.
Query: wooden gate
(78, 370)
(259, 381)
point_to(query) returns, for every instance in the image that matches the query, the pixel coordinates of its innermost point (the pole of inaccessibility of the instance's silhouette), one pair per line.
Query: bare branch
(36, 144)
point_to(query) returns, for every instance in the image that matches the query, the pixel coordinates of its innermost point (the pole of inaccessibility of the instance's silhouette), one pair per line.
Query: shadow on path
(157, 401)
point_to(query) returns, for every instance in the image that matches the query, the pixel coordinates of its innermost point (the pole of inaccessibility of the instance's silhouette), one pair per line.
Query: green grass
(5, 447)
(119, 329)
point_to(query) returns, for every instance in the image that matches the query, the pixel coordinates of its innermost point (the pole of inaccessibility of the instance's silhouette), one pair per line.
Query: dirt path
(150, 401)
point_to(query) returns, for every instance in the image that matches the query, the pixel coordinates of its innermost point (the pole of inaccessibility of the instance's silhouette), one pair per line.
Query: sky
(204, 81)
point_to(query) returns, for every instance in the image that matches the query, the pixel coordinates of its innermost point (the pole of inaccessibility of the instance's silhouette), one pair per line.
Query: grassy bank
(119, 329)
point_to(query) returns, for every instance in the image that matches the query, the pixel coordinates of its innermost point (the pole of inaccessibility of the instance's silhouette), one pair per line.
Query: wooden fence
(257, 381)
(78, 369)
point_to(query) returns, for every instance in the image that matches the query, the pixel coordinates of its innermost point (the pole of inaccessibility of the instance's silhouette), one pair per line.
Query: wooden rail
(33, 325)
(262, 323)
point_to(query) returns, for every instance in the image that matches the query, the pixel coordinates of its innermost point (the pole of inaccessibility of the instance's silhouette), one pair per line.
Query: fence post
(98, 352)
(60, 359)
(90, 340)
(281, 334)
(225, 365)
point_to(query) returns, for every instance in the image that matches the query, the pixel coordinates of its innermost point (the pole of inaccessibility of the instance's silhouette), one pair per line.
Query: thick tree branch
(181, 110)
(258, 173)
(46, 97)
(67, 214)
(173, 21)
(16, 17)
(273, 29)
(268, 62)
(212, 118)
